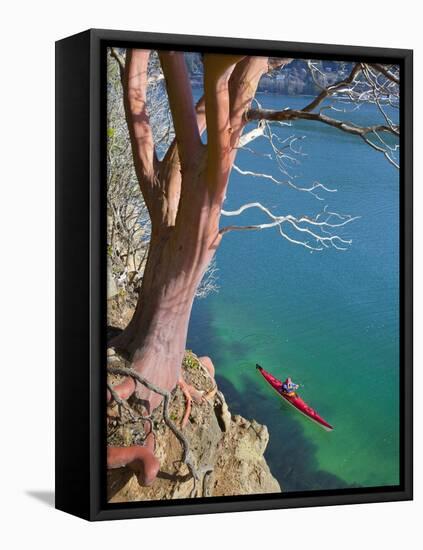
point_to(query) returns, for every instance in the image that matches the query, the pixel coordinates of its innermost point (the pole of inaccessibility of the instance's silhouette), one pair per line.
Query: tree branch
(274, 63)
(181, 105)
(311, 189)
(295, 114)
(357, 91)
(333, 88)
(170, 170)
(217, 71)
(242, 88)
(385, 72)
(304, 225)
(135, 98)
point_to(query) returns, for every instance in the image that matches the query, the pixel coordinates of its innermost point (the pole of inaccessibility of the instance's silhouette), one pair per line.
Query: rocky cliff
(227, 450)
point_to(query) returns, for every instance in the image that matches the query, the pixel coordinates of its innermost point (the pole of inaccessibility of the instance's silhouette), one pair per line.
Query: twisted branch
(385, 72)
(296, 114)
(362, 84)
(333, 88)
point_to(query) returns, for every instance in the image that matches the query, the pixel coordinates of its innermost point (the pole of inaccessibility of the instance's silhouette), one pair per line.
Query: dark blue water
(328, 319)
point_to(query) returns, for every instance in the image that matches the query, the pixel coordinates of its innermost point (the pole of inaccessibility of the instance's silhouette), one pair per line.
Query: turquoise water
(328, 319)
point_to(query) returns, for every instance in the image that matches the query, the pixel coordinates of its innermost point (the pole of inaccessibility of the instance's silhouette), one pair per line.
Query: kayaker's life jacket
(289, 387)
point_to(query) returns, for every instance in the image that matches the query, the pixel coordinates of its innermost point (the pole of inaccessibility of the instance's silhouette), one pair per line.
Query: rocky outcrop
(241, 468)
(227, 450)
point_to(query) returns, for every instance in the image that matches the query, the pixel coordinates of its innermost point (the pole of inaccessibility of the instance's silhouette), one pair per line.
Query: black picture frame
(81, 274)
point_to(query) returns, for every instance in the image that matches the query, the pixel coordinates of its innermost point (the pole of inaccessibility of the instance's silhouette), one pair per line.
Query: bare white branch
(311, 189)
(247, 138)
(316, 229)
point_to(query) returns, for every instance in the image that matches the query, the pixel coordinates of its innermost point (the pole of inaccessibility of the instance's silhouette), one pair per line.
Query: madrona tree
(184, 191)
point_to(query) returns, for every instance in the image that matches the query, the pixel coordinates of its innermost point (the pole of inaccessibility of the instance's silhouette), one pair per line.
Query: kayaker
(289, 387)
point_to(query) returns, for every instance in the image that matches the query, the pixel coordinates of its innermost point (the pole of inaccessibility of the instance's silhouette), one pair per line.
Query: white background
(28, 32)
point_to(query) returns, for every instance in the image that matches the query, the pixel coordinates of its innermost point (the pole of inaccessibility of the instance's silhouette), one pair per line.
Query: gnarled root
(164, 378)
(207, 363)
(186, 455)
(190, 394)
(208, 367)
(140, 459)
(124, 390)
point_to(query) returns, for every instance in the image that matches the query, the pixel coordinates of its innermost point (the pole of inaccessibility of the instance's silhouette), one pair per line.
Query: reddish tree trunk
(155, 339)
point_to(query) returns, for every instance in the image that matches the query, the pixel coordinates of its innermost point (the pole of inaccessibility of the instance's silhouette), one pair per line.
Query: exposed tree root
(121, 401)
(207, 365)
(140, 459)
(124, 390)
(190, 394)
(116, 456)
(188, 401)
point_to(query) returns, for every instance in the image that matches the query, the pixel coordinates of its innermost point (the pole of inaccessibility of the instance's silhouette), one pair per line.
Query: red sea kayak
(294, 400)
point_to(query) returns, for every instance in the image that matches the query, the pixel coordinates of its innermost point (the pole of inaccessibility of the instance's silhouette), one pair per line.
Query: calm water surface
(327, 319)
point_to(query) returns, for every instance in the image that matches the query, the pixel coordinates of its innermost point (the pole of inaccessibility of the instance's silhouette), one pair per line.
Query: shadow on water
(291, 456)
(206, 341)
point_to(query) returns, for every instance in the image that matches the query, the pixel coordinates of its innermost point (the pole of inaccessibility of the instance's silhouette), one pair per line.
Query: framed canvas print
(234, 282)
